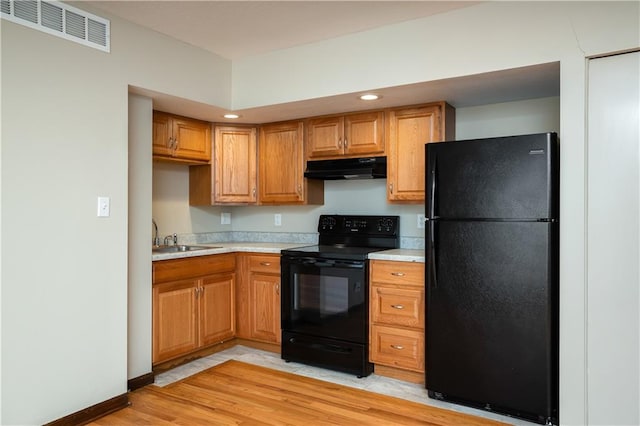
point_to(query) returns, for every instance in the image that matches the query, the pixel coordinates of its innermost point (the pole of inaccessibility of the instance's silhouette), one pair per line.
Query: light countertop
(402, 255)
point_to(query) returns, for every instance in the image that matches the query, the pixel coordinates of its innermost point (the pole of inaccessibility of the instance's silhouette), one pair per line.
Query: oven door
(326, 298)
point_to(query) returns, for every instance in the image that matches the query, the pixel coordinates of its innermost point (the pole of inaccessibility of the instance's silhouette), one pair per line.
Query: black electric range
(352, 237)
(325, 292)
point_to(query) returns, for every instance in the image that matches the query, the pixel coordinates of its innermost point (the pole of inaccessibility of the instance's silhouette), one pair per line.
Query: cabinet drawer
(267, 264)
(192, 267)
(402, 273)
(397, 347)
(397, 306)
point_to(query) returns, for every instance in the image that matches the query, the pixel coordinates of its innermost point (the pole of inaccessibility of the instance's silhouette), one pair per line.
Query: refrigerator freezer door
(500, 178)
(490, 338)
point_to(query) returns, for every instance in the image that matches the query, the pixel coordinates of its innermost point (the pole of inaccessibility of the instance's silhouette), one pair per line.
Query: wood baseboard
(396, 373)
(94, 412)
(218, 347)
(140, 381)
(269, 347)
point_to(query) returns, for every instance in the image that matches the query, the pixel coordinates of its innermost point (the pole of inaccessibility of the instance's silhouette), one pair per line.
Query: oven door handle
(334, 263)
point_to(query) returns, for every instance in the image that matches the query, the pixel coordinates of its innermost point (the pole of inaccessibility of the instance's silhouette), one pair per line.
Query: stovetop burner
(352, 237)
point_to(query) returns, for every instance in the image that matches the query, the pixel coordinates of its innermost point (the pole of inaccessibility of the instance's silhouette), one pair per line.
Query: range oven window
(325, 295)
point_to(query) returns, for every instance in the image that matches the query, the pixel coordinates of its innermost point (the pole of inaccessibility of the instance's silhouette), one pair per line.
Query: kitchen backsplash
(274, 237)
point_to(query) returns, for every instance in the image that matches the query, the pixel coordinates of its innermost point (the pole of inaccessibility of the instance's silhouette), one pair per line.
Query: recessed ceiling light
(369, 97)
(231, 116)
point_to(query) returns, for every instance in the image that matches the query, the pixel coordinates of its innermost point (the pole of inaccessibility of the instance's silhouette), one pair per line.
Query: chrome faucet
(156, 239)
(168, 238)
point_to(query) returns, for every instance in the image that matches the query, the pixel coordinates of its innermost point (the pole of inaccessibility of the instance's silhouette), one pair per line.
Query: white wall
(613, 274)
(140, 234)
(65, 142)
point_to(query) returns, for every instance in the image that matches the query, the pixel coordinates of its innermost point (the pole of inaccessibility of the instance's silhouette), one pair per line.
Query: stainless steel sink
(179, 248)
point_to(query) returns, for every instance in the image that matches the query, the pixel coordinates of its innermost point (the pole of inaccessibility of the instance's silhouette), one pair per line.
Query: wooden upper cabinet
(181, 139)
(232, 176)
(235, 165)
(408, 130)
(281, 166)
(351, 135)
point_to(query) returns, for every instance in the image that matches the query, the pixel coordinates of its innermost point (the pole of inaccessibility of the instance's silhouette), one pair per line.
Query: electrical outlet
(420, 221)
(277, 219)
(225, 219)
(103, 206)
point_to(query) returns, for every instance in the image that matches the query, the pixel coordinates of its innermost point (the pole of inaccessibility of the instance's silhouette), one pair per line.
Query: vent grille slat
(5, 6)
(97, 32)
(75, 24)
(27, 10)
(61, 20)
(51, 16)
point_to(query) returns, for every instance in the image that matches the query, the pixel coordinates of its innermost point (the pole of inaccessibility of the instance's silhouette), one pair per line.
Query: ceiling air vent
(59, 19)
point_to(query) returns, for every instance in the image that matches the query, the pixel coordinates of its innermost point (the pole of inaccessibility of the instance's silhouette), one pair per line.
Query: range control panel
(366, 225)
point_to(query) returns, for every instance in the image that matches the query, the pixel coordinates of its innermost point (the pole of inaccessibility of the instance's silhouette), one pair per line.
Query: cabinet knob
(391, 188)
(339, 143)
(397, 306)
(265, 263)
(278, 289)
(398, 347)
(345, 142)
(398, 274)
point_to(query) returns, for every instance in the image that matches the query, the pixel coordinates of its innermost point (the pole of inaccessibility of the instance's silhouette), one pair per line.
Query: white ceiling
(236, 29)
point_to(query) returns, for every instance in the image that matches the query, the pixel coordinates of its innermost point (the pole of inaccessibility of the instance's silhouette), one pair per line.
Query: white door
(613, 240)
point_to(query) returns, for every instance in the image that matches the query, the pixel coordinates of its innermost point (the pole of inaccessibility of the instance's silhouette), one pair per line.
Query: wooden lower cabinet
(190, 313)
(396, 314)
(258, 298)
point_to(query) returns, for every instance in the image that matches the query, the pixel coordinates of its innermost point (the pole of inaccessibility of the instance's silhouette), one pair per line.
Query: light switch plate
(277, 219)
(104, 206)
(420, 221)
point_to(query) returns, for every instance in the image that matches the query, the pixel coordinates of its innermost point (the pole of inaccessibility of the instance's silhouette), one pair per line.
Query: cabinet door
(281, 163)
(235, 165)
(192, 139)
(397, 347)
(397, 306)
(325, 137)
(364, 134)
(217, 309)
(265, 307)
(175, 329)
(409, 129)
(162, 139)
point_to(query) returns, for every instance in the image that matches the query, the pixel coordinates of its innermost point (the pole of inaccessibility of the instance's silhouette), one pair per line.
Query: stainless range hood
(348, 168)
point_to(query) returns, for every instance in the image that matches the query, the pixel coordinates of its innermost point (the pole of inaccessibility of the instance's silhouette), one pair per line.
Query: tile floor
(373, 383)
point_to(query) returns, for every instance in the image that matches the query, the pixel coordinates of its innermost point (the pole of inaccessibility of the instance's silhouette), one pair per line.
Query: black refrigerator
(492, 262)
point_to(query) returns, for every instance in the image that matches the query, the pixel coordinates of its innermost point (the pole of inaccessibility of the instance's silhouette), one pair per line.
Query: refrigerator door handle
(432, 258)
(432, 201)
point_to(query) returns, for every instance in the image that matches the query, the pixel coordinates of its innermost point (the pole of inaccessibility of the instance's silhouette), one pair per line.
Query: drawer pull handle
(398, 274)
(398, 347)
(397, 306)
(265, 263)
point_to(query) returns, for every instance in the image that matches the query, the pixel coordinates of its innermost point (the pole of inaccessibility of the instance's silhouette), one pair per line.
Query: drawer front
(397, 347)
(401, 273)
(266, 264)
(396, 306)
(192, 267)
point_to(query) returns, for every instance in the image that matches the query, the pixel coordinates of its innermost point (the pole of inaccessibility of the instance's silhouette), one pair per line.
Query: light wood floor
(240, 393)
